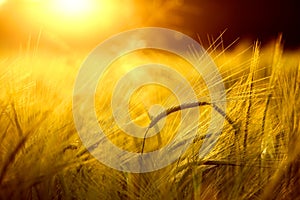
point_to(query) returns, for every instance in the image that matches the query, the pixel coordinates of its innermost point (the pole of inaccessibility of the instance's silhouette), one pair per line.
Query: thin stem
(184, 106)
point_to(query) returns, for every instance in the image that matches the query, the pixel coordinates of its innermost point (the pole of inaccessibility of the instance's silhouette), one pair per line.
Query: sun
(82, 14)
(73, 7)
(73, 19)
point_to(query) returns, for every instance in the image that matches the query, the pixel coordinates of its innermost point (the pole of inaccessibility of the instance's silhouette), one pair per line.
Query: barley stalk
(184, 106)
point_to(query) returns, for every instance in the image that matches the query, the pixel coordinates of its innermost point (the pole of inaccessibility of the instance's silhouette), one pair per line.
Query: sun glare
(74, 7)
(2, 2)
(72, 19)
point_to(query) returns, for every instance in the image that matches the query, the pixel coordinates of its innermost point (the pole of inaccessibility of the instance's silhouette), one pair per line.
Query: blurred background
(75, 25)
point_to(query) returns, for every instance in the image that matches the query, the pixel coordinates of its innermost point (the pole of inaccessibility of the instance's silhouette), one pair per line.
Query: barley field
(257, 155)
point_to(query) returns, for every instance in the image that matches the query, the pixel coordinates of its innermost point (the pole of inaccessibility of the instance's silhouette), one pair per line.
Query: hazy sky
(253, 19)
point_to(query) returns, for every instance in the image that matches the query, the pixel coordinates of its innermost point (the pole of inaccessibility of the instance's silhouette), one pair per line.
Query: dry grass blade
(184, 106)
(11, 158)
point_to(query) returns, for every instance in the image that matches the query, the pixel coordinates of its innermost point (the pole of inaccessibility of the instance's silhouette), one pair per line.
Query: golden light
(77, 18)
(74, 7)
(2, 2)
